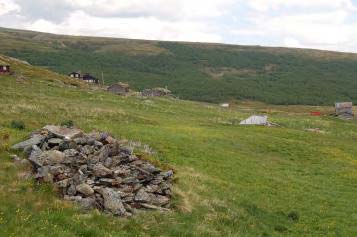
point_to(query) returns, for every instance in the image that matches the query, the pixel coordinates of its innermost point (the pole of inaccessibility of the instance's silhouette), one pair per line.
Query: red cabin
(315, 113)
(4, 69)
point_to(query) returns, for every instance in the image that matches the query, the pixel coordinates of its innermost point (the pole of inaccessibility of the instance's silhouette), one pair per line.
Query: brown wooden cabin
(119, 88)
(4, 69)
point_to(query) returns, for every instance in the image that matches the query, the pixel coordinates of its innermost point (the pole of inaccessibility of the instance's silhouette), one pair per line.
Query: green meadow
(230, 180)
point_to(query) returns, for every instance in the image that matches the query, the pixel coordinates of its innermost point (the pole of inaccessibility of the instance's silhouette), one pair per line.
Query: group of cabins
(85, 77)
(342, 110)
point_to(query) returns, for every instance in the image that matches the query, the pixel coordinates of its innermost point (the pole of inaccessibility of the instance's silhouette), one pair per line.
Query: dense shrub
(293, 216)
(17, 124)
(67, 123)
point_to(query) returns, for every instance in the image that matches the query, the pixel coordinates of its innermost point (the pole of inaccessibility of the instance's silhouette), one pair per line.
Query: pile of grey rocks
(97, 171)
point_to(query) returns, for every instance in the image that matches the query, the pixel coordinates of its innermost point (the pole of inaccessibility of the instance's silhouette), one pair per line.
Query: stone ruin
(156, 92)
(97, 171)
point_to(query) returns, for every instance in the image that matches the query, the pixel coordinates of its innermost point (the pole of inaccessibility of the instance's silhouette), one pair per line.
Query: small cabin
(89, 78)
(76, 75)
(119, 88)
(4, 69)
(344, 110)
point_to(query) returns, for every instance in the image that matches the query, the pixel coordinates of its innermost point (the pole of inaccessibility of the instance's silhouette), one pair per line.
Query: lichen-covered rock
(52, 157)
(100, 170)
(142, 196)
(85, 189)
(112, 201)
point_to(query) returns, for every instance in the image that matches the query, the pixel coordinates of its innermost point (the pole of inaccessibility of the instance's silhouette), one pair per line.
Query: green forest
(196, 71)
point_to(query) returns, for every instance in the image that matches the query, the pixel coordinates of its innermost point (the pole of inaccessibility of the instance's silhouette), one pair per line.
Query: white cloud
(308, 24)
(182, 20)
(265, 5)
(321, 28)
(79, 23)
(8, 6)
(159, 8)
(324, 24)
(292, 42)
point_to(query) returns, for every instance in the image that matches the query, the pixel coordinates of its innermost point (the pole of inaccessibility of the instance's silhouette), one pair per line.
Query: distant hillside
(196, 71)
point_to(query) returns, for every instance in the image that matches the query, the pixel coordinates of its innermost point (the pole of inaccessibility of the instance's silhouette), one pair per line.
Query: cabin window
(4, 68)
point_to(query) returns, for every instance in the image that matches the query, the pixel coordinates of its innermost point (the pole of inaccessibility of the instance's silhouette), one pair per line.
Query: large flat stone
(63, 132)
(35, 140)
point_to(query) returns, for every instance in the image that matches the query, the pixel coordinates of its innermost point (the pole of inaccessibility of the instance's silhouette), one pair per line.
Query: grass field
(231, 180)
(196, 71)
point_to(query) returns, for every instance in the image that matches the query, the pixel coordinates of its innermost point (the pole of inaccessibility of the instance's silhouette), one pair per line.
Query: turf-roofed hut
(119, 88)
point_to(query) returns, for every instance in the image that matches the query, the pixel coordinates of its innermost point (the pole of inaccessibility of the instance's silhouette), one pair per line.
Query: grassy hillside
(231, 180)
(203, 72)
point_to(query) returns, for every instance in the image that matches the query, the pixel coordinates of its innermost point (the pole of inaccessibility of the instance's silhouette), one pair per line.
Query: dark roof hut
(119, 88)
(89, 78)
(75, 75)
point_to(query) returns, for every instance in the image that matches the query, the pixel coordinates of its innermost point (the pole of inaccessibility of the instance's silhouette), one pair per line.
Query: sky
(320, 24)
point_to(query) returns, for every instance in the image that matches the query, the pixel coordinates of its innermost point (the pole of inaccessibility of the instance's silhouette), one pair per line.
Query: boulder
(52, 157)
(159, 200)
(100, 170)
(150, 168)
(142, 196)
(112, 202)
(67, 145)
(87, 203)
(81, 140)
(34, 157)
(54, 142)
(85, 189)
(63, 183)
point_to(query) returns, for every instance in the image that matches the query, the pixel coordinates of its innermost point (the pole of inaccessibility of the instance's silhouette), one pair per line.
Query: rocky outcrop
(97, 171)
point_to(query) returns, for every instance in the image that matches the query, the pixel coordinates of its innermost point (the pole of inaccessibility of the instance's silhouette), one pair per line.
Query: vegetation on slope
(231, 180)
(203, 72)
